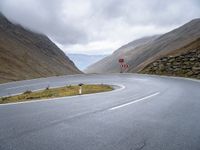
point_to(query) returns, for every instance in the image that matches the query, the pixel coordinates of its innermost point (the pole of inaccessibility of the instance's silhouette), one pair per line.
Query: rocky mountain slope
(145, 53)
(26, 55)
(183, 62)
(110, 63)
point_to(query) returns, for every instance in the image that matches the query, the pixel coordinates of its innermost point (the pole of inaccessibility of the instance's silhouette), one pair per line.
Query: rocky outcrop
(184, 65)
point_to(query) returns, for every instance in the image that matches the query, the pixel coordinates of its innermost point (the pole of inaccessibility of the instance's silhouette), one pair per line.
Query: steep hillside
(140, 56)
(110, 63)
(183, 62)
(26, 55)
(167, 43)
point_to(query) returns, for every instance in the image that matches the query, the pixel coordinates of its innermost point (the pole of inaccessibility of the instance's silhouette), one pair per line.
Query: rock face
(185, 63)
(27, 55)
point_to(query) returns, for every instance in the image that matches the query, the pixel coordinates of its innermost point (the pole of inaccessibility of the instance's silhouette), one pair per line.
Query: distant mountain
(82, 61)
(27, 55)
(110, 63)
(148, 51)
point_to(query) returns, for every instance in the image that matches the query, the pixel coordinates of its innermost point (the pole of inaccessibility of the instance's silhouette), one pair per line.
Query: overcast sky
(99, 26)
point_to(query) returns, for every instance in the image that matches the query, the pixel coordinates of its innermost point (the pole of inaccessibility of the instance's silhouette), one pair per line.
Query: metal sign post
(121, 61)
(123, 65)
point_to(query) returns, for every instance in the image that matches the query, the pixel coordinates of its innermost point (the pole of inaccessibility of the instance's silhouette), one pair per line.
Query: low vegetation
(56, 92)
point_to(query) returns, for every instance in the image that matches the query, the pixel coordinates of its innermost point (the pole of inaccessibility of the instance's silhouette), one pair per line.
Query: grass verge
(56, 92)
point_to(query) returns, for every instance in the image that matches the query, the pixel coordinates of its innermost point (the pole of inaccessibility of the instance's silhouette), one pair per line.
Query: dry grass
(55, 92)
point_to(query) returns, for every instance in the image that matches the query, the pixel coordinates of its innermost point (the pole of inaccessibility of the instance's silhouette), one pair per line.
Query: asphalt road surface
(143, 113)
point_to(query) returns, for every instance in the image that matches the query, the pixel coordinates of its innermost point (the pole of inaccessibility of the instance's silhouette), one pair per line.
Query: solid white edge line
(170, 77)
(135, 101)
(66, 97)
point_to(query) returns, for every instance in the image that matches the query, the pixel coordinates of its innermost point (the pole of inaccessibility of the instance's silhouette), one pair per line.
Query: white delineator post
(80, 88)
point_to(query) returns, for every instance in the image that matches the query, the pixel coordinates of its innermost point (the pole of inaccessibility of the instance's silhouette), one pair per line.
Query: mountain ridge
(184, 62)
(140, 56)
(107, 62)
(25, 54)
(176, 38)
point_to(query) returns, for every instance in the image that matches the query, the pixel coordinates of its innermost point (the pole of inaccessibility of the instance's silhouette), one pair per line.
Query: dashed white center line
(135, 101)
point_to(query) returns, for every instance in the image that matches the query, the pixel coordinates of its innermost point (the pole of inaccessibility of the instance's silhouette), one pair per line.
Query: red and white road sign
(124, 66)
(121, 60)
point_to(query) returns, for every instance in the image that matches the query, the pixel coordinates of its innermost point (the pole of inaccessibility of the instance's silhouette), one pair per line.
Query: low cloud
(99, 26)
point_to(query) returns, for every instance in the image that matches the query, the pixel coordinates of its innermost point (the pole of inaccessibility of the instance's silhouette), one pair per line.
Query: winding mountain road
(143, 113)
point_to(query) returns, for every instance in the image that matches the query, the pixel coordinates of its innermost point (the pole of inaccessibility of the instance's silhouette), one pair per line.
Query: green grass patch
(56, 92)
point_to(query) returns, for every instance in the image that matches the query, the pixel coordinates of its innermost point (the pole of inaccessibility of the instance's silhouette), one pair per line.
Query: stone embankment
(184, 65)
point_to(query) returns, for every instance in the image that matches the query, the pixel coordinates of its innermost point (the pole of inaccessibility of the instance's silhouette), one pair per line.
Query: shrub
(28, 92)
(68, 86)
(4, 98)
(47, 88)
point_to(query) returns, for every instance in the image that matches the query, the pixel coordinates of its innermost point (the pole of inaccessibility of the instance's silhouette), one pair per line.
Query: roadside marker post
(80, 88)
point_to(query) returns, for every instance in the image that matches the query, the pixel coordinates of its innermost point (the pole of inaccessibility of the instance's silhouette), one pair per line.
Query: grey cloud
(143, 12)
(43, 16)
(81, 22)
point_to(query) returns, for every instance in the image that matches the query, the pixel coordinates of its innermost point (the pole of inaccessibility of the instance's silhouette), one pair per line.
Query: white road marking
(135, 101)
